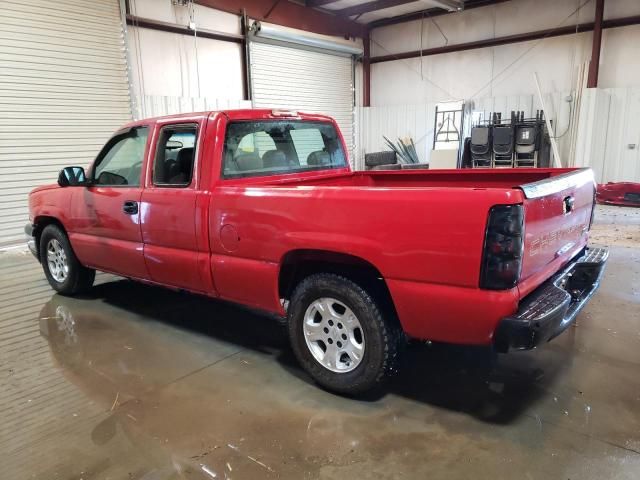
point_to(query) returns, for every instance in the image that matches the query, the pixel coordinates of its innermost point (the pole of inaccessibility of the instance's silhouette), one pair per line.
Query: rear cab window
(275, 147)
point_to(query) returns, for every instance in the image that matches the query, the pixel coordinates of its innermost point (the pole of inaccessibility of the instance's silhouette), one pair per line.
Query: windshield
(268, 147)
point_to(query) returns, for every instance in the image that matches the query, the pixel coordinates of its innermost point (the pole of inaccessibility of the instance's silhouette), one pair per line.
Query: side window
(120, 163)
(175, 155)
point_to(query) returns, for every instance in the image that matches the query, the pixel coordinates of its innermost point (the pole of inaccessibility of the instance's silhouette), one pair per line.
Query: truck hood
(51, 186)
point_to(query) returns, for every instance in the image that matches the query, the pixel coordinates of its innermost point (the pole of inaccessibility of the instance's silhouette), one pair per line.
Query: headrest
(185, 159)
(274, 158)
(319, 157)
(248, 161)
(171, 169)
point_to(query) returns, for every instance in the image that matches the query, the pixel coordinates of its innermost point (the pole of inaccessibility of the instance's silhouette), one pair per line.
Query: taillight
(503, 246)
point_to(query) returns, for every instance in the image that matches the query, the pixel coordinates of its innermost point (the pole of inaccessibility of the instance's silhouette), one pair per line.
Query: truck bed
(462, 178)
(421, 225)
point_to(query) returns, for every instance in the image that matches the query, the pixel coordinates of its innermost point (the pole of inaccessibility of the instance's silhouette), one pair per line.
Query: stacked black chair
(519, 142)
(527, 144)
(481, 146)
(502, 142)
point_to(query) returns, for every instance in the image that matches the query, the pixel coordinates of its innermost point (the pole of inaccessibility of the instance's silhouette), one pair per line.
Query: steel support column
(594, 65)
(366, 71)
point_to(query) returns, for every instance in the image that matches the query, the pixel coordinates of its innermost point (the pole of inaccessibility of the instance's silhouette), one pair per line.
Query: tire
(64, 272)
(333, 367)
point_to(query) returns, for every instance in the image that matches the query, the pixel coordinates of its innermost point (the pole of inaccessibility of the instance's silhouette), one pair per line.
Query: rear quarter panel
(430, 236)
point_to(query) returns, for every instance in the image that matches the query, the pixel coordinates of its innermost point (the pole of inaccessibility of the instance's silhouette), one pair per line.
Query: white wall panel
(467, 75)
(159, 105)
(173, 65)
(169, 64)
(592, 138)
(63, 91)
(204, 17)
(621, 162)
(502, 19)
(415, 121)
(620, 59)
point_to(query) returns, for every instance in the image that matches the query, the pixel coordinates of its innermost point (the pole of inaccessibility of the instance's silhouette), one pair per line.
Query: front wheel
(64, 272)
(339, 334)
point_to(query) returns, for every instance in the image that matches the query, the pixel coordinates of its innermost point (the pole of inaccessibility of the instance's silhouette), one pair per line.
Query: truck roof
(236, 114)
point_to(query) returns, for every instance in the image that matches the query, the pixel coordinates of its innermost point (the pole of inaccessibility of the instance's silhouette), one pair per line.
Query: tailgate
(557, 219)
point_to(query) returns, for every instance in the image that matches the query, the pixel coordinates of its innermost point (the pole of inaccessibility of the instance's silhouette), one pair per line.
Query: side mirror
(72, 177)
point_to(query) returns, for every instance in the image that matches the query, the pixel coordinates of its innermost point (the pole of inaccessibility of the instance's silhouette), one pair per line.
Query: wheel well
(40, 223)
(299, 264)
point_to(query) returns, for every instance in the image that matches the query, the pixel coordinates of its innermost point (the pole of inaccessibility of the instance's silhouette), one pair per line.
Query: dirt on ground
(616, 226)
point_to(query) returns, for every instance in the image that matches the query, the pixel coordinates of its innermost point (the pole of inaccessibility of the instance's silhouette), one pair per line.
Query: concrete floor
(135, 382)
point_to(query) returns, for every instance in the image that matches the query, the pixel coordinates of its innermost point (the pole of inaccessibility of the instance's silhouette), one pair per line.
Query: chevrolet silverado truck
(260, 207)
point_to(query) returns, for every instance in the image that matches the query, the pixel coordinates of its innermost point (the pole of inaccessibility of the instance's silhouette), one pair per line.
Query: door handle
(130, 207)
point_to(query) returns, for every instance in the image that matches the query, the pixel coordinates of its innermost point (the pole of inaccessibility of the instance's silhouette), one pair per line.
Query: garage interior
(132, 381)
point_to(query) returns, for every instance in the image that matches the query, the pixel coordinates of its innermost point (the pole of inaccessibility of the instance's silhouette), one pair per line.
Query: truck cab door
(174, 252)
(105, 228)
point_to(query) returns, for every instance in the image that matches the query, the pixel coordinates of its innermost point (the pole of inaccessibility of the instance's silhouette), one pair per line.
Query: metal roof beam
(370, 7)
(291, 15)
(318, 3)
(430, 12)
(449, 5)
(517, 38)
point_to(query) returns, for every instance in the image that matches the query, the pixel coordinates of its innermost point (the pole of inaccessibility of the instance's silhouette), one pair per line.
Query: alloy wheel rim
(334, 335)
(57, 261)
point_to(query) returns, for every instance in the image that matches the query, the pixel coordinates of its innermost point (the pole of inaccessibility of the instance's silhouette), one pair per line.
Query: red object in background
(626, 194)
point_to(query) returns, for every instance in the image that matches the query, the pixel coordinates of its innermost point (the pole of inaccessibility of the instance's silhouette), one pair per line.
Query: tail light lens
(503, 247)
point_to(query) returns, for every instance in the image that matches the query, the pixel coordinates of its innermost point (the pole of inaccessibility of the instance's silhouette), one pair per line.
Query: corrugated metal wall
(158, 105)
(622, 153)
(609, 134)
(63, 91)
(308, 81)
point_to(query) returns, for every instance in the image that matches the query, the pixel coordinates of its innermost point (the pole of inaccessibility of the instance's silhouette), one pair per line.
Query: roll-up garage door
(305, 81)
(63, 91)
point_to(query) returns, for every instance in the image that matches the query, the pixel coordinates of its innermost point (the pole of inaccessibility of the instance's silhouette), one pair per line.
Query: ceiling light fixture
(449, 5)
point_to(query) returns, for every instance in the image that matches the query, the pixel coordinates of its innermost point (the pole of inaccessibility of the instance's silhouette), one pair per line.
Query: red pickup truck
(259, 207)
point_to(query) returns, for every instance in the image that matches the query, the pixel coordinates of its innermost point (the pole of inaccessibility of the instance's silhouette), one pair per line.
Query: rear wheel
(64, 272)
(339, 334)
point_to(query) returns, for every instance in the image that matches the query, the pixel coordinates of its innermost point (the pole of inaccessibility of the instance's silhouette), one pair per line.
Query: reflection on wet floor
(138, 382)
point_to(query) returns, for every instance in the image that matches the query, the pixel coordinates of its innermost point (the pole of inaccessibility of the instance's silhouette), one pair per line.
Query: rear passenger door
(172, 250)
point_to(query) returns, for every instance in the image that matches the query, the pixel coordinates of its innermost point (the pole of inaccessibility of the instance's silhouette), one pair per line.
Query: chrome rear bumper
(551, 308)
